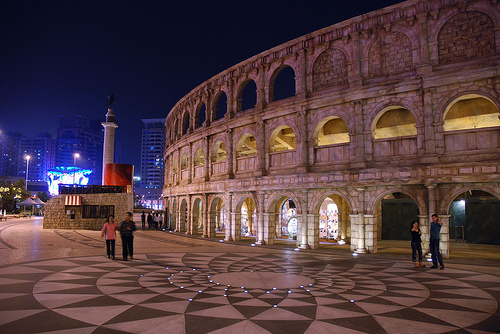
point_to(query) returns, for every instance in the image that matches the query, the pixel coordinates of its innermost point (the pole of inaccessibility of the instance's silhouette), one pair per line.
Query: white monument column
(108, 152)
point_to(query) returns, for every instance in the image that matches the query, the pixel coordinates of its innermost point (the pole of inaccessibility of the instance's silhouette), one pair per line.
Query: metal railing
(91, 189)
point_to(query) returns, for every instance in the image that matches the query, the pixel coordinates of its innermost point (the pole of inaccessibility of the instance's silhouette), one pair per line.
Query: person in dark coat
(143, 220)
(127, 229)
(150, 220)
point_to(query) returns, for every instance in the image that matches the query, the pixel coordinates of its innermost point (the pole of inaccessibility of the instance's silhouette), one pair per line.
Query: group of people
(154, 220)
(416, 243)
(126, 228)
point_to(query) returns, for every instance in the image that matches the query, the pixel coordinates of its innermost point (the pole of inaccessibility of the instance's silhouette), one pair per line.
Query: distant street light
(75, 156)
(27, 165)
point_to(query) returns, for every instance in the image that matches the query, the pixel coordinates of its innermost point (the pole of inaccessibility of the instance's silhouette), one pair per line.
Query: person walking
(416, 245)
(434, 242)
(109, 233)
(143, 220)
(160, 220)
(127, 229)
(150, 220)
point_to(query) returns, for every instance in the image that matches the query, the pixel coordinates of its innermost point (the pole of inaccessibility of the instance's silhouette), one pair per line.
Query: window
(98, 211)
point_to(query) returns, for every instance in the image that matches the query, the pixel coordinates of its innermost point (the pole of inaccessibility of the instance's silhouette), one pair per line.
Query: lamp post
(27, 165)
(75, 156)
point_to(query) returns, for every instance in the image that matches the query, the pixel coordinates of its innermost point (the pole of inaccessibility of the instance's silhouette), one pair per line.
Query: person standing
(160, 220)
(143, 220)
(416, 245)
(434, 242)
(109, 233)
(127, 229)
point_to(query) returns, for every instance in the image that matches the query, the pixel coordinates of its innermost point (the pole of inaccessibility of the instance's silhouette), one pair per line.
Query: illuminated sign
(67, 175)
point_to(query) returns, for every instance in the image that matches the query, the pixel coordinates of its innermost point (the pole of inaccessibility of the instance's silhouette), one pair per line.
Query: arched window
(282, 139)
(201, 115)
(247, 146)
(248, 98)
(176, 129)
(185, 123)
(175, 165)
(330, 131)
(220, 106)
(199, 158)
(184, 161)
(219, 152)
(471, 112)
(394, 122)
(283, 84)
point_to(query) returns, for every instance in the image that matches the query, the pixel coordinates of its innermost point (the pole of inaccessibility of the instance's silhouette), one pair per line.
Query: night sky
(67, 56)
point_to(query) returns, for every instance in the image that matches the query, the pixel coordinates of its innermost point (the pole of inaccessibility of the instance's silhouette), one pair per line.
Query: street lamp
(27, 165)
(75, 156)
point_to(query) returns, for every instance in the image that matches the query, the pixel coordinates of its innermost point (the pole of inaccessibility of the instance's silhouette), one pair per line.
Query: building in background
(74, 135)
(9, 154)
(152, 165)
(42, 150)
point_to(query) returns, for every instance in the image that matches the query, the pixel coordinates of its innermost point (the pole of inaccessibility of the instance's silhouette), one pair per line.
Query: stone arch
(480, 112)
(286, 138)
(330, 70)
(219, 151)
(217, 219)
(248, 220)
(272, 82)
(331, 130)
(200, 115)
(444, 204)
(184, 161)
(276, 223)
(176, 129)
(246, 145)
(458, 41)
(242, 95)
(199, 157)
(197, 215)
(380, 194)
(183, 216)
(220, 105)
(391, 53)
(394, 121)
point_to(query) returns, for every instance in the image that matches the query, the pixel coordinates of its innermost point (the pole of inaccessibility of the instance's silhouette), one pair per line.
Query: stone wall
(56, 216)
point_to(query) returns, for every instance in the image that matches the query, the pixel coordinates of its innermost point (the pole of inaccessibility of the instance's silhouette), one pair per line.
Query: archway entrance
(287, 224)
(334, 218)
(248, 217)
(183, 217)
(397, 210)
(474, 218)
(217, 217)
(197, 226)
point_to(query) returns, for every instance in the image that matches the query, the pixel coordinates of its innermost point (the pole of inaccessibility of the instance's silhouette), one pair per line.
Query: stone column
(361, 248)
(269, 219)
(206, 233)
(354, 232)
(444, 236)
(206, 169)
(303, 165)
(302, 240)
(236, 226)
(313, 231)
(261, 150)
(108, 152)
(357, 139)
(190, 163)
(260, 219)
(229, 147)
(423, 222)
(229, 235)
(370, 234)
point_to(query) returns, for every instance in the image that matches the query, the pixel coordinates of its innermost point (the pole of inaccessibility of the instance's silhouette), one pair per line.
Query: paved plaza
(61, 281)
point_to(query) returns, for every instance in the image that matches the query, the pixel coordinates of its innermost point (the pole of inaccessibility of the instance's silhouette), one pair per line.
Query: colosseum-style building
(348, 134)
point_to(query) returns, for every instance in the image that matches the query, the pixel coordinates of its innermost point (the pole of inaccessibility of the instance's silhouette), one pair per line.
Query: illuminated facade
(42, 151)
(393, 116)
(152, 165)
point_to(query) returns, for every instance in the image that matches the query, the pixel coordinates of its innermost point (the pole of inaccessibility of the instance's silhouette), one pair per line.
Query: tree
(43, 196)
(11, 193)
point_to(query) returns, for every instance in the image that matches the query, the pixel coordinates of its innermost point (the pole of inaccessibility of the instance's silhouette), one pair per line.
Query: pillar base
(204, 236)
(361, 251)
(262, 242)
(305, 246)
(228, 239)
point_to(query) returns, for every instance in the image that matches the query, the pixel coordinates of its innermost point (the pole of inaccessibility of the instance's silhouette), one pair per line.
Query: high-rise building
(74, 136)
(42, 152)
(10, 160)
(152, 166)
